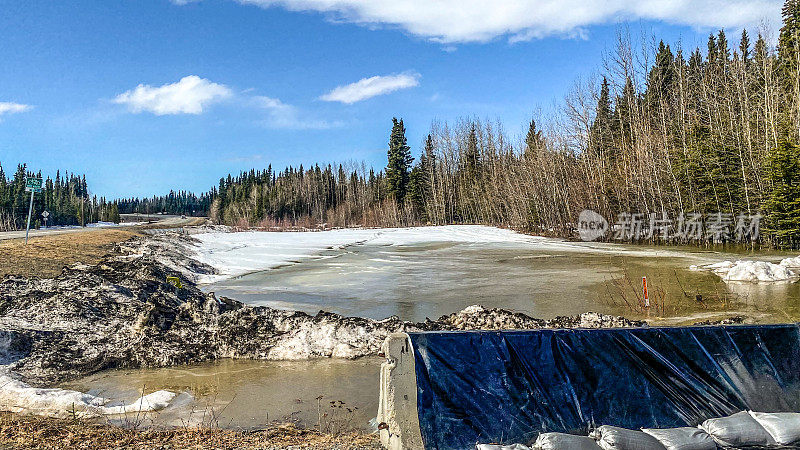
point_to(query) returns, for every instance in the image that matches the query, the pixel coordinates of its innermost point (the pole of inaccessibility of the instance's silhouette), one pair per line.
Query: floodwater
(551, 278)
(430, 279)
(249, 394)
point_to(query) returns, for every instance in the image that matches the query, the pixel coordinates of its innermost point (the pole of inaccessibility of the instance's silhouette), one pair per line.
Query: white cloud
(12, 108)
(190, 95)
(370, 87)
(456, 21)
(282, 115)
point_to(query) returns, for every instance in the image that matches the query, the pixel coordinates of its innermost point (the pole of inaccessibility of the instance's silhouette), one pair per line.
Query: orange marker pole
(646, 297)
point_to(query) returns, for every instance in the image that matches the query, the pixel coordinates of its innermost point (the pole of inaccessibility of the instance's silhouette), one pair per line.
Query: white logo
(591, 225)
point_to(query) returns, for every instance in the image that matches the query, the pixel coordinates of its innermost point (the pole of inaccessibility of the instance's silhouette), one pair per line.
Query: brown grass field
(45, 256)
(19, 431)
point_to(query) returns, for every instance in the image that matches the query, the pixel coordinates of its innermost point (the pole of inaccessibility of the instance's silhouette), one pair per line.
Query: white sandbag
(683, 438)
(783, 427)
(502, 447)
(615, 438)
(563, 441)
(737, 430)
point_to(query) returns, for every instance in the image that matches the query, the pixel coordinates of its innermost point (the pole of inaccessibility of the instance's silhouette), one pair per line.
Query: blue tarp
(509, 386)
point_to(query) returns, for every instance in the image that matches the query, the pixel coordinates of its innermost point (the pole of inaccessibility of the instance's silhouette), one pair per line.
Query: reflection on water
(248, 394)
(429, 280)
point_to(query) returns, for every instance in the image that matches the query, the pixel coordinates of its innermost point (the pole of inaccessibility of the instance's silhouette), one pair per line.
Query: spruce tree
(472, 154)
(789, 62)
(788, 48)
(601, 139)
(534, 140)
(783, 204)
(662, 75)
(744, 47)
(399, 162)
(418, 187)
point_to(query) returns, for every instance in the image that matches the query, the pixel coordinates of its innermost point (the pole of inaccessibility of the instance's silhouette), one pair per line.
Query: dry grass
(26, 431)
(46, 256)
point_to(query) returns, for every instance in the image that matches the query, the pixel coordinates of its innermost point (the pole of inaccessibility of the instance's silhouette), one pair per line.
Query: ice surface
(234, 254)
(17, 396)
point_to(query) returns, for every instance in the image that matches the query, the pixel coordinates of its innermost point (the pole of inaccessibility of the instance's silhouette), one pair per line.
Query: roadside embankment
(34, 432)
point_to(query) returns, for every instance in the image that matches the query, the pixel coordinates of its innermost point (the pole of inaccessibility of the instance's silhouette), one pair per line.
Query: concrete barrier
(397, 409)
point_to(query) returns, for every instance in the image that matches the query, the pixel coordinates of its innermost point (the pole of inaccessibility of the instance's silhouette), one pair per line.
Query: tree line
(176, 202)
(662, 131)
(66, 198)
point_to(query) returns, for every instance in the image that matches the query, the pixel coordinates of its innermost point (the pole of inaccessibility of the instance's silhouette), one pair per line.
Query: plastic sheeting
(509, 386)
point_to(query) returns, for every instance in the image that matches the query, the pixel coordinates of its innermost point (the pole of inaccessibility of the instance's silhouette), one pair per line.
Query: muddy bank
(123, 313)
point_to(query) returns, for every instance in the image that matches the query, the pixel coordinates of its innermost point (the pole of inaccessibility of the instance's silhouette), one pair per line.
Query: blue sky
(144, 96)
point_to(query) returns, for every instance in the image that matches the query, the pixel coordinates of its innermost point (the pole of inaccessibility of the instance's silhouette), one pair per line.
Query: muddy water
(250, 394)
(428, 280)
(548, 279)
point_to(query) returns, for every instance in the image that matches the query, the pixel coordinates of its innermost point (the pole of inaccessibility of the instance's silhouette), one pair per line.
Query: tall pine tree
(399, 164)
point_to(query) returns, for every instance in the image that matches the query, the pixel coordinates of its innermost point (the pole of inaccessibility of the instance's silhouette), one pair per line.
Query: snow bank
(112, 224)
(238, 253)
(17, 396)
(753, 271)
(791, 262)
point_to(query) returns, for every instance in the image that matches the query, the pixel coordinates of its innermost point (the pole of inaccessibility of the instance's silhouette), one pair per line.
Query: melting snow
(242, 252)
(791, 262)
(17, 396)
(754, 271)
(238, 253)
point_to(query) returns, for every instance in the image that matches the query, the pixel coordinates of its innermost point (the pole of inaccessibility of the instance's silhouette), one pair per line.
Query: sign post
(32, 185)
(45, 214)
(646, 296)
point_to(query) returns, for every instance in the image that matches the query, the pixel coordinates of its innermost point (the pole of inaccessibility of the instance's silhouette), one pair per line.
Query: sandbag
(683, 438)
(615, 438)
(502, 447)
(738, 430)
(563, 441)
(783, 427)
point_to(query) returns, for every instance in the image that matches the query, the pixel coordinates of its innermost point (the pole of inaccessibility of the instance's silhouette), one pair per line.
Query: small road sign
(45, 214)
(33, 184)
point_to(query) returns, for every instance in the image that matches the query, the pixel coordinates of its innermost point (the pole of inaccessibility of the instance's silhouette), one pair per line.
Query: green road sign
(33, 184)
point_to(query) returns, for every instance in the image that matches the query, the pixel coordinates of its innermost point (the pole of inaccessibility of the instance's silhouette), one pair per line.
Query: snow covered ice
(242, 252)
(238, 253)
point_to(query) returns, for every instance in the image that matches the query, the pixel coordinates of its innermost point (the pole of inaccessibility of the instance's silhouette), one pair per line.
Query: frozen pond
(419, 273)
(428, 272)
